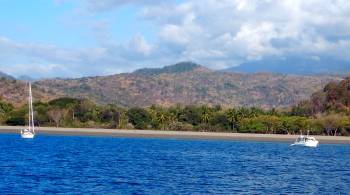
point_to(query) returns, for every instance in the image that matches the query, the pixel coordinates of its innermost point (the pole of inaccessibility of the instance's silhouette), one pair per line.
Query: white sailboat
(306, 141)
(29, 133)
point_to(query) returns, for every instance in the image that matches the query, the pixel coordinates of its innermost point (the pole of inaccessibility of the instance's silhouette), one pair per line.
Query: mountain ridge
(171, 69)
(193, 85)
(178, 84)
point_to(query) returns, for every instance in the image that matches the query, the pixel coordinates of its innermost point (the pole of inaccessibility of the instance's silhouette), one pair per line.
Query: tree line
(70, 112)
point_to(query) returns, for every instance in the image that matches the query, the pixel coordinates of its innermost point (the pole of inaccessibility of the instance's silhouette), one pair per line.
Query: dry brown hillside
(188, 83)
(16, 92)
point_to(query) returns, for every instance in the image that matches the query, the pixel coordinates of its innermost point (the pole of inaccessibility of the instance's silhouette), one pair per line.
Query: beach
(171, 134)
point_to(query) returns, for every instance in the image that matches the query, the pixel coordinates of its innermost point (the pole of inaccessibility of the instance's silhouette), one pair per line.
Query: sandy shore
(172, 134)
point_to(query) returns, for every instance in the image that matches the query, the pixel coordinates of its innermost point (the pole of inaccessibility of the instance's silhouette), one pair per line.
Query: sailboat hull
(27, 135)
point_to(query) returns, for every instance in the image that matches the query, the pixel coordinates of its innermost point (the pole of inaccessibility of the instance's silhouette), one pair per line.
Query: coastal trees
(5, 108)
(139, 117)
(333, 124)
(236, 115)
(205, 116)
(345, 126)
(271, 123)
(164, 118)
(251, 125)
(220, 122)
(191, 115)
(56, 114)
(63, 102)
(40, 113)
(123, 119)
(17, 117)
(161, 118)
(70, 112)
(110, 115)
(87, 111)
(288, 125)
(231, 116)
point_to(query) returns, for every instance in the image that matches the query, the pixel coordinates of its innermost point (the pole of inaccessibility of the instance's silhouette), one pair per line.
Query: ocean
(109, 165)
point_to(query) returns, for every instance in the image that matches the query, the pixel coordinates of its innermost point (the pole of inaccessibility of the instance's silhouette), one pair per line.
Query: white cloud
(105, 5)
(40, 60)
(231, 31)
(139, 45)
(214, 33)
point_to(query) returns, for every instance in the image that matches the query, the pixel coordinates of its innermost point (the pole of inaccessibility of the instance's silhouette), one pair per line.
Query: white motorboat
(29, 133)
(305, 141)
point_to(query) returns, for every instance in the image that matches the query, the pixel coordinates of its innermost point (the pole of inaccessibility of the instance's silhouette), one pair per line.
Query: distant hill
(294, 65)
(184, 83)
(6, 76)
(335, 96)
(177, 68)
(16, 92)
(189, 83)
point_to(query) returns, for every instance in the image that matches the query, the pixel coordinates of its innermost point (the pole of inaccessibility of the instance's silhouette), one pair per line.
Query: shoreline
(172, 134)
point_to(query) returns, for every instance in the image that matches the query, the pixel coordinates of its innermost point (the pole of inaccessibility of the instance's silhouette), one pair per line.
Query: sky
(76, 38)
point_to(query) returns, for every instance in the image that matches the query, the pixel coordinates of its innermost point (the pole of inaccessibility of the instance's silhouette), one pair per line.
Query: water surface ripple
(65, 164)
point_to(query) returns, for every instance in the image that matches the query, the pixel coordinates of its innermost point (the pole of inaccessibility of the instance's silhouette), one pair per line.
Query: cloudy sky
(73, 38)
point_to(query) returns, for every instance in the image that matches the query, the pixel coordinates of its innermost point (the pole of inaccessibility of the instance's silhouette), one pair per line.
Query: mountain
(6, 76)
(16, 92)
(176, 68)
(294, 65)
(184, 83)
(189, 83)
(335, 96)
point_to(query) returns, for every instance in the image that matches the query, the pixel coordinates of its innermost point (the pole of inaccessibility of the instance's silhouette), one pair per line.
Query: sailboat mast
(31, 107)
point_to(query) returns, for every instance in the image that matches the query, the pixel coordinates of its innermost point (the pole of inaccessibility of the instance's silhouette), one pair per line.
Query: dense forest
(327, 112)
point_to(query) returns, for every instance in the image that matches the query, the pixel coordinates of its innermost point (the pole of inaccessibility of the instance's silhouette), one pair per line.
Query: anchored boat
(29, 133)
(305, 141)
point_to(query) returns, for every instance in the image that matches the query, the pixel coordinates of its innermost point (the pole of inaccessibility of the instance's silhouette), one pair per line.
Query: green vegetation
(67, 112)
(327, 112)
(5, 108)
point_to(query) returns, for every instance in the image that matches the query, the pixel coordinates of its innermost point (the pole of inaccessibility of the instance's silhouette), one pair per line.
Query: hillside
(335, 96)
(294, 65)
(176, 68)
(16, 92)
(189, 85)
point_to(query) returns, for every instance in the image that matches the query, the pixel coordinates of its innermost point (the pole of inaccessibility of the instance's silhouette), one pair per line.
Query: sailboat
(29, 133)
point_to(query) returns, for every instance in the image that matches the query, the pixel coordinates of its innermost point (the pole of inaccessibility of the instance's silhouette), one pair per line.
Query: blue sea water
(99, 165)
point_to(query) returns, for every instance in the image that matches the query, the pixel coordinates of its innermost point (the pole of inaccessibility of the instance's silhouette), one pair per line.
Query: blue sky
(74, 38)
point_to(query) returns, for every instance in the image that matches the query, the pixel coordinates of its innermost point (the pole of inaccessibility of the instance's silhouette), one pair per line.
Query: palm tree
(122, 120)
(231, 115)
(206, 114)
(153, 113)
(254, 112)
(71, 108)
(162, 118)
(205, 117)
